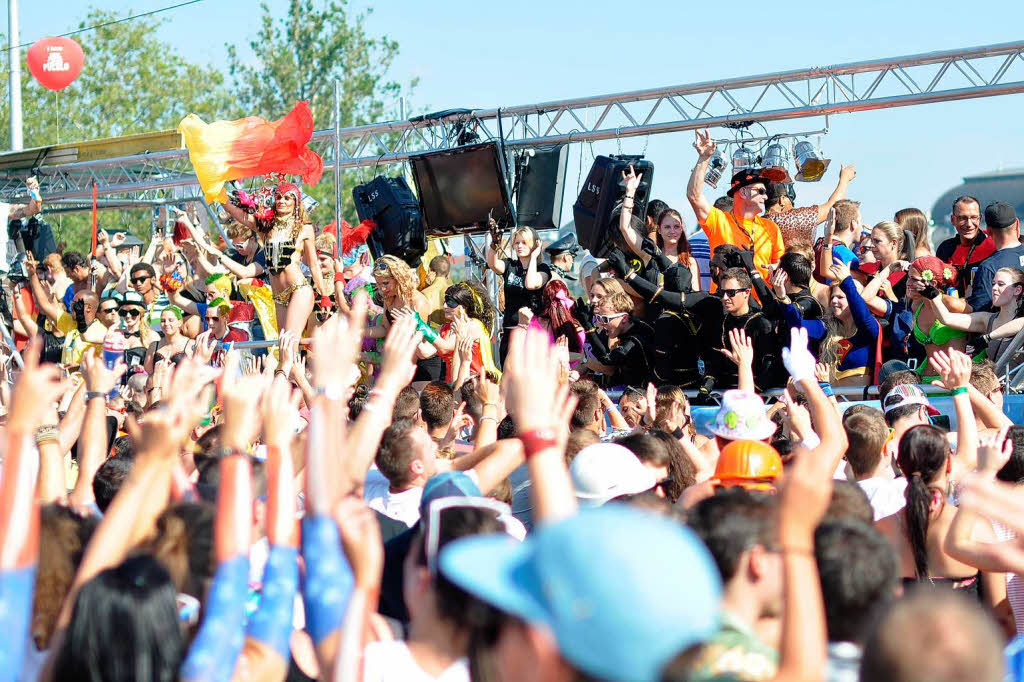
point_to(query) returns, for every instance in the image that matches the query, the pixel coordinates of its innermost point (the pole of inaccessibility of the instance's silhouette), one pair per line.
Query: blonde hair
(610, 285)
(893, 233)
(325, 242)
(667, 397)
(916, 222)
(237, 231)
(618, 302)
(397, 269)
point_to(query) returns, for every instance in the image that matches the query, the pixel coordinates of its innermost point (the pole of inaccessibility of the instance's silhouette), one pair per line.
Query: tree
(132, 83)
(298, 55)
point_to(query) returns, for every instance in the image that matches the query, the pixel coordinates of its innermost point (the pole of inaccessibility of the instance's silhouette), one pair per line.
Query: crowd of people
(269, 455)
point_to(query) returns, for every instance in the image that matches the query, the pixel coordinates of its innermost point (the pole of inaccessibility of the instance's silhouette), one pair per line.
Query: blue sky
(496, 54)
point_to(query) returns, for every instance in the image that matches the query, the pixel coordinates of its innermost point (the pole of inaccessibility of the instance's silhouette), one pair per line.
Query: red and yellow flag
(231, 150)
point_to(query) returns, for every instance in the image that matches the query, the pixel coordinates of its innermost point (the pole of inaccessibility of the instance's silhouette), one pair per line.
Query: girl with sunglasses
(469, 315)
(618, 343)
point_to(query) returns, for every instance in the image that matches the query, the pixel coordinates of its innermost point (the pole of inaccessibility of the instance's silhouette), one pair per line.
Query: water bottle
(114, 346)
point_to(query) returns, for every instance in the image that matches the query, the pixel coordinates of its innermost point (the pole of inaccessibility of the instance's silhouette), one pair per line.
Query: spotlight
(715, 169)
(774, 163)
(743, 158)
(809, 164)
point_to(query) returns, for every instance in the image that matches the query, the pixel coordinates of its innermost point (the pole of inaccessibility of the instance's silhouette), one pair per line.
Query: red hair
(557, 301)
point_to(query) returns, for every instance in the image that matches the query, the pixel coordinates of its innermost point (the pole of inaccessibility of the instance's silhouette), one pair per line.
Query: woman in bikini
(287, 241)
(173, 342)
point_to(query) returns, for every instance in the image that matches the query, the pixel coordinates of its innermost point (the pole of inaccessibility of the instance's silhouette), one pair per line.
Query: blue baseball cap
(622, 590)
(447, 484)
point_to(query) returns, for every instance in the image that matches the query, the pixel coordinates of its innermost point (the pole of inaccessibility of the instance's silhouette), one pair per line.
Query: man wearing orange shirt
(743, 226)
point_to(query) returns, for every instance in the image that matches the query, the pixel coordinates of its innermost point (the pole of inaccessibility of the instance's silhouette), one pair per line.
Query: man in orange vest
(743, 226)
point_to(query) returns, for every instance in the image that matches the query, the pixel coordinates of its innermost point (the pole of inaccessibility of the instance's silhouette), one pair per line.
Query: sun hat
(742, 416)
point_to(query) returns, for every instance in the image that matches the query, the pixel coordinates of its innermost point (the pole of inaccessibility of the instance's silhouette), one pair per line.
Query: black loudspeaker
(602, 192)
(541, 186)
(391, 204)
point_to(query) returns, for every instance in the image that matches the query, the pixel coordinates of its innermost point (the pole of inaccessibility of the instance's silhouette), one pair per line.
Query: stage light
(716, 166)
(809, 163)
(743, 158)
(774, 163)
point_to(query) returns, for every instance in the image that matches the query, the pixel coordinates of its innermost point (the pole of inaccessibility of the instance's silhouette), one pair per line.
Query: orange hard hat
(749, 464)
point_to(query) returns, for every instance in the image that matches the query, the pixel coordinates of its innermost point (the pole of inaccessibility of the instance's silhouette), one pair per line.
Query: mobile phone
(942, 421)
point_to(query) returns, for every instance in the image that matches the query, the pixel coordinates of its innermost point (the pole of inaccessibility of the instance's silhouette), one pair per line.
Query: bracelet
(959, 390)
(826, 388)
(495, 405)
(90, 395)
(660, 289)
(485, 417)
(538, 439)
(47, 433)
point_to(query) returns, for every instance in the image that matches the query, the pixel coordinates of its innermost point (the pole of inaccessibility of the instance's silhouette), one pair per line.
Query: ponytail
(922, 457)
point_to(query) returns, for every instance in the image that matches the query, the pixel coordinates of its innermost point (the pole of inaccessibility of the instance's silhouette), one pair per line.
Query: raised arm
(240, 215)
(35, 391)
(862, 316)
(534, 277)
(955, 374)
(43, 300)
(215, 650)
(541, 407)
(973, 322)
(99, 382)
(494, 260)
(705, 147)
(629, 235)
(846, 174)
(267, 651)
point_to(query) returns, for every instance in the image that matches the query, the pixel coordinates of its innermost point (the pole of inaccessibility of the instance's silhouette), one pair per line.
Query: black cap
(777, 190)
(747, 176)
(999, 215)
(566, 244)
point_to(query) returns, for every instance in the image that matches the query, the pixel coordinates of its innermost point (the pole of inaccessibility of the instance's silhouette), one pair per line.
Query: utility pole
(14, 75)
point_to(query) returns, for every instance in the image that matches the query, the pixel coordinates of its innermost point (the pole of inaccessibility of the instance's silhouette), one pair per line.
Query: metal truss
(820, 91)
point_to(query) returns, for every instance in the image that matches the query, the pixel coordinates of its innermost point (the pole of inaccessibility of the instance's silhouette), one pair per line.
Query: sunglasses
(380, 266)
(109, 310)
(451, 302)
(212, 318)
(139, 280)
(730, 293)
(755, 191)
(605, 319)
(502, 512)
(131, 312)
(663, 485)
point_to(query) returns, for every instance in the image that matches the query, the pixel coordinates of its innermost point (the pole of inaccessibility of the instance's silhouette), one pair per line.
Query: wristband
(90, 395)
(339, 277)
(538, 439)
(826, 388)
(429, 335)
(330, 391)
(959, 390)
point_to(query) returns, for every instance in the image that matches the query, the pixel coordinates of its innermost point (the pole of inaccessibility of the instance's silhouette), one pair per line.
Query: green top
(735, 653)
(939, 335)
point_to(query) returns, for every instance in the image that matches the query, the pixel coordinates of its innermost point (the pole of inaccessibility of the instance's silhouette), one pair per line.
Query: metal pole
(337, 164)
(14, 75)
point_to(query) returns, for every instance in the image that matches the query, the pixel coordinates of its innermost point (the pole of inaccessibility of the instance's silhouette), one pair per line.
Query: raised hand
(779, 281)
(839, 271)
(994, 451)
(279, 408)
(206, 345)
(532, 380)
(240, 397)
(98, 378)
(398, 363)
(631, 180)
(954, 368)
(741, 348)
(847, 173)
(704, 145)
(618, 263)
(798, 360)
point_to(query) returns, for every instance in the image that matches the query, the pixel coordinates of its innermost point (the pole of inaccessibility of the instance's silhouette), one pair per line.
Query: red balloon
(55, 62)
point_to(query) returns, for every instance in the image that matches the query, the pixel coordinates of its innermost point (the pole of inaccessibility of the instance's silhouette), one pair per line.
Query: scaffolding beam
(951, 75)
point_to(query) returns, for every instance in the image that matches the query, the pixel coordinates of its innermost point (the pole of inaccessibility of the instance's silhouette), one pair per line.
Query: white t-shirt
(392, 662)
(403, 506)
(886, 495)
